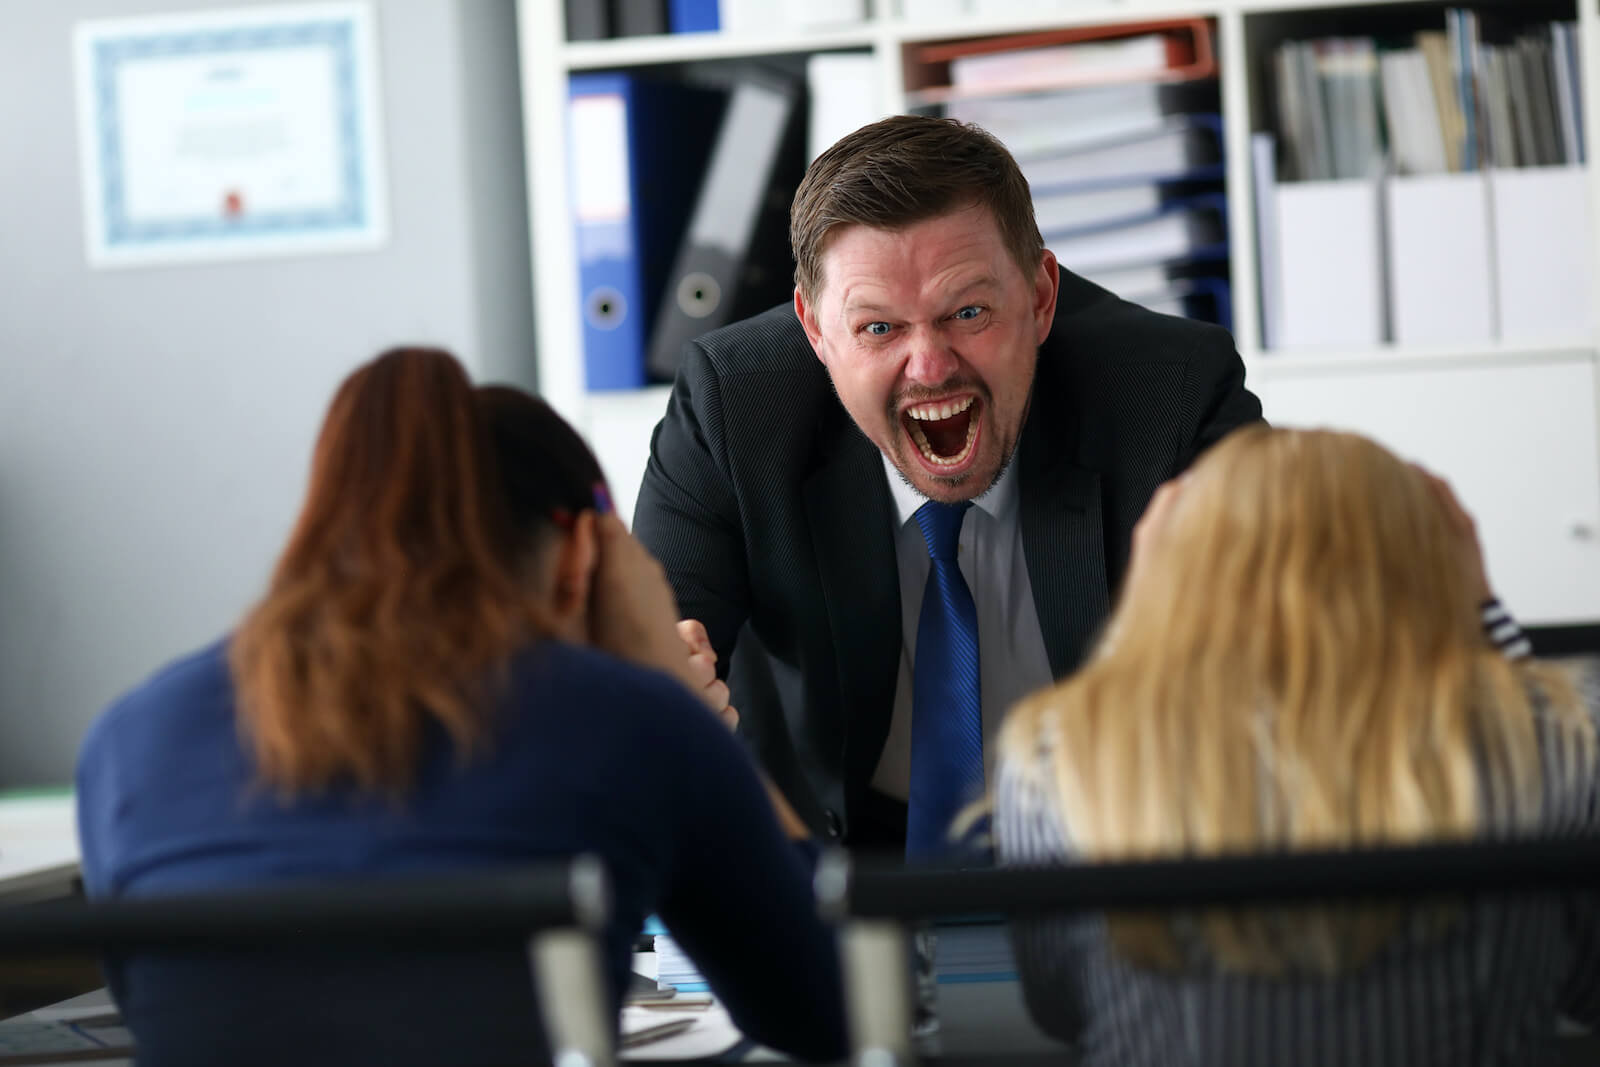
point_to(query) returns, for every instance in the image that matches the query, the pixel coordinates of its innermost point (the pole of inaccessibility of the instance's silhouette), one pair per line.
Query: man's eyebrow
(855, 304)
(983, 281)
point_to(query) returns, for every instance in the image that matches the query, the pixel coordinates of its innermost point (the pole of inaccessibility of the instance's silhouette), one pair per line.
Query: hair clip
(602, 499)
(561, 517)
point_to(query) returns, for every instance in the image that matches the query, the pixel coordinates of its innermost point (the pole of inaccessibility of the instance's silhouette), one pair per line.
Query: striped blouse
(1488, 991)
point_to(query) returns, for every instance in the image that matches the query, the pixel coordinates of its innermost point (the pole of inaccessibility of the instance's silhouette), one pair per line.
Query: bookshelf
(1315, 385)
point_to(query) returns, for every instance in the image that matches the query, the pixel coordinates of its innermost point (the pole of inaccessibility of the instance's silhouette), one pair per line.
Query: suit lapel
(1063, 541)
(851, 517)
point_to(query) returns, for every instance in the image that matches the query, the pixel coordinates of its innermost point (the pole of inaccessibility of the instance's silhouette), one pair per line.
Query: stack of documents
(1119, 134)
(1065, 64)
(1163, 50)
(673, 965)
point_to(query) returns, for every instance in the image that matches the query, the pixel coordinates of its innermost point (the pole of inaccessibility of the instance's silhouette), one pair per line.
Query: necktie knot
(941, 528)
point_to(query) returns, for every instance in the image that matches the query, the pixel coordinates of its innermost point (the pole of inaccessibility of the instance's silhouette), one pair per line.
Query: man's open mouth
(944, 431)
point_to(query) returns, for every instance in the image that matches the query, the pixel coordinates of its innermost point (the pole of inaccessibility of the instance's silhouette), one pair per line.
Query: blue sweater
(588, 754)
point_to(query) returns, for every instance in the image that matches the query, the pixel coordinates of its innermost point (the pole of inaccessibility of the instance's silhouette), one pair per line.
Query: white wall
(156, 424)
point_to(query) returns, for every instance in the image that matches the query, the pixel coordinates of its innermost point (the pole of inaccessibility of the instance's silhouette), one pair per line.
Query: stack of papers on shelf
(1194, 228)
(1189, 148)
(1062, 120)
(1060, 213)
(1078, 61)
(1167, 50)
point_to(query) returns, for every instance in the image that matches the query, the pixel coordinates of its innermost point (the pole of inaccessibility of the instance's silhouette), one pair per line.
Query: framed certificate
(225, 134)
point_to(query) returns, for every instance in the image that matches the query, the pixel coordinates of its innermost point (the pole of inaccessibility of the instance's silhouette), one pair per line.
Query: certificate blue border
(349, 213)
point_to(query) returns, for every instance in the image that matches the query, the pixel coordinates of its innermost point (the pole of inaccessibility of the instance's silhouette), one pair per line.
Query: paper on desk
(712, 1034)
(87, 1006)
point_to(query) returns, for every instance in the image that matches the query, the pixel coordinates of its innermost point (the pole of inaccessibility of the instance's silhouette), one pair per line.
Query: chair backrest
(558, 910)
(873, 902)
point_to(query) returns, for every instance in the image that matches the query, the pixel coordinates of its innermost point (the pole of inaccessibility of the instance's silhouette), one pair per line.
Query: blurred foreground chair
(876, 903)
(557, 910)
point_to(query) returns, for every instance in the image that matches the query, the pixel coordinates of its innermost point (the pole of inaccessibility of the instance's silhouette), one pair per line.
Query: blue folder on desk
(638, 148)
(1185, 148)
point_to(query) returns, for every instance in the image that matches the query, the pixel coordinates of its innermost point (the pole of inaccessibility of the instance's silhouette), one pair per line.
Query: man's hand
(702, 666)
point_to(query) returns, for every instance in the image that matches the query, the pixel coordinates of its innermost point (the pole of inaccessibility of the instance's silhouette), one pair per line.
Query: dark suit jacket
(771, 513)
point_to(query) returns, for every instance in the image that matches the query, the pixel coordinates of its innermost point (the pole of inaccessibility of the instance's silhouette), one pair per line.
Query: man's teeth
(935, 412)
(933, 457)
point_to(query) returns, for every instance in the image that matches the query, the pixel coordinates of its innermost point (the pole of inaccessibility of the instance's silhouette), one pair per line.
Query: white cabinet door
(1520, 445)
(619, 430)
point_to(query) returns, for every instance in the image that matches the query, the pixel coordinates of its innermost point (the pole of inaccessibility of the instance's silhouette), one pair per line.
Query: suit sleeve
(1225, 403)
(688, 513)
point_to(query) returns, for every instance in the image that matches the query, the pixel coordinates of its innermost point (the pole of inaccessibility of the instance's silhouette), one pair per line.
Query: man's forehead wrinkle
(862, 296)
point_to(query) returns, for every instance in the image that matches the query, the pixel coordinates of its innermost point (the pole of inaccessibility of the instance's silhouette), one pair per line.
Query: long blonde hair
(1299, 664)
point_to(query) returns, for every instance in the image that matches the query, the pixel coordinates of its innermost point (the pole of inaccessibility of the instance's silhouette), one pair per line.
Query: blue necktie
(946, 715)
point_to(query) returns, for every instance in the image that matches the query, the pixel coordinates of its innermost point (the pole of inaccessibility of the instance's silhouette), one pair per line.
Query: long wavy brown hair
(405, 582)
(1299, 666)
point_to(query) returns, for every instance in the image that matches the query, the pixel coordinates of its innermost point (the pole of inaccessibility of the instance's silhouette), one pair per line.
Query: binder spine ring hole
(698, 294)
(605, 309)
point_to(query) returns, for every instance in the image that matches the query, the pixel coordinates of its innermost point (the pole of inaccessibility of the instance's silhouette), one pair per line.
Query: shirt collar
(999, 500)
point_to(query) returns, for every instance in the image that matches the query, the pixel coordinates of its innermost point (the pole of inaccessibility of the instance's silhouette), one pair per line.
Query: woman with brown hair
(462, 661)
(1305, 655)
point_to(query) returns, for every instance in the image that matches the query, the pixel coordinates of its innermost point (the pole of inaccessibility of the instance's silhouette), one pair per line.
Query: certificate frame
(149, 197)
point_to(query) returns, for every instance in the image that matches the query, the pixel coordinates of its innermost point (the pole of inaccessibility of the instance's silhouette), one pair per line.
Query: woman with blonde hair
(1305, 655)
(462, 661)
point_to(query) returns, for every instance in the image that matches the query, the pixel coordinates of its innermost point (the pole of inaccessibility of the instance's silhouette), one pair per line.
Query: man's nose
(931, 360)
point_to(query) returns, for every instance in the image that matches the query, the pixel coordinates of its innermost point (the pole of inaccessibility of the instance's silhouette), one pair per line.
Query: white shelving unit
(1546, 556)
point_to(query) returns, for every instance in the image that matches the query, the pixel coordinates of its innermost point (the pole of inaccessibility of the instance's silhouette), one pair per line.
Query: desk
(982, 1023)
(977, 1020)
(38, 845)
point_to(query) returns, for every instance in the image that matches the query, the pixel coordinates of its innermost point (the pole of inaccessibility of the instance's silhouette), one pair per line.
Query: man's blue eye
(971, 311)
(877, 329)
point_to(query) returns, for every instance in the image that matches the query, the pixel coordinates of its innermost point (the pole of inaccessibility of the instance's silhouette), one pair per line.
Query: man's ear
(1046, 287)
(577, 556)
(807, 314)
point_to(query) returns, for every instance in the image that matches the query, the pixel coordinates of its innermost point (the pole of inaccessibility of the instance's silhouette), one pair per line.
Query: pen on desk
(691, 1002)
(656, 1032)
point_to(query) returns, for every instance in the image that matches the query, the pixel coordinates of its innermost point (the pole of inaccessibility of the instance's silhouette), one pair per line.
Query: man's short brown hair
(904, 170)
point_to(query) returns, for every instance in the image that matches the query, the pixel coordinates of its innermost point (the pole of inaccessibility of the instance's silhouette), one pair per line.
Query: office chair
(558, 909)
(875, 904)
